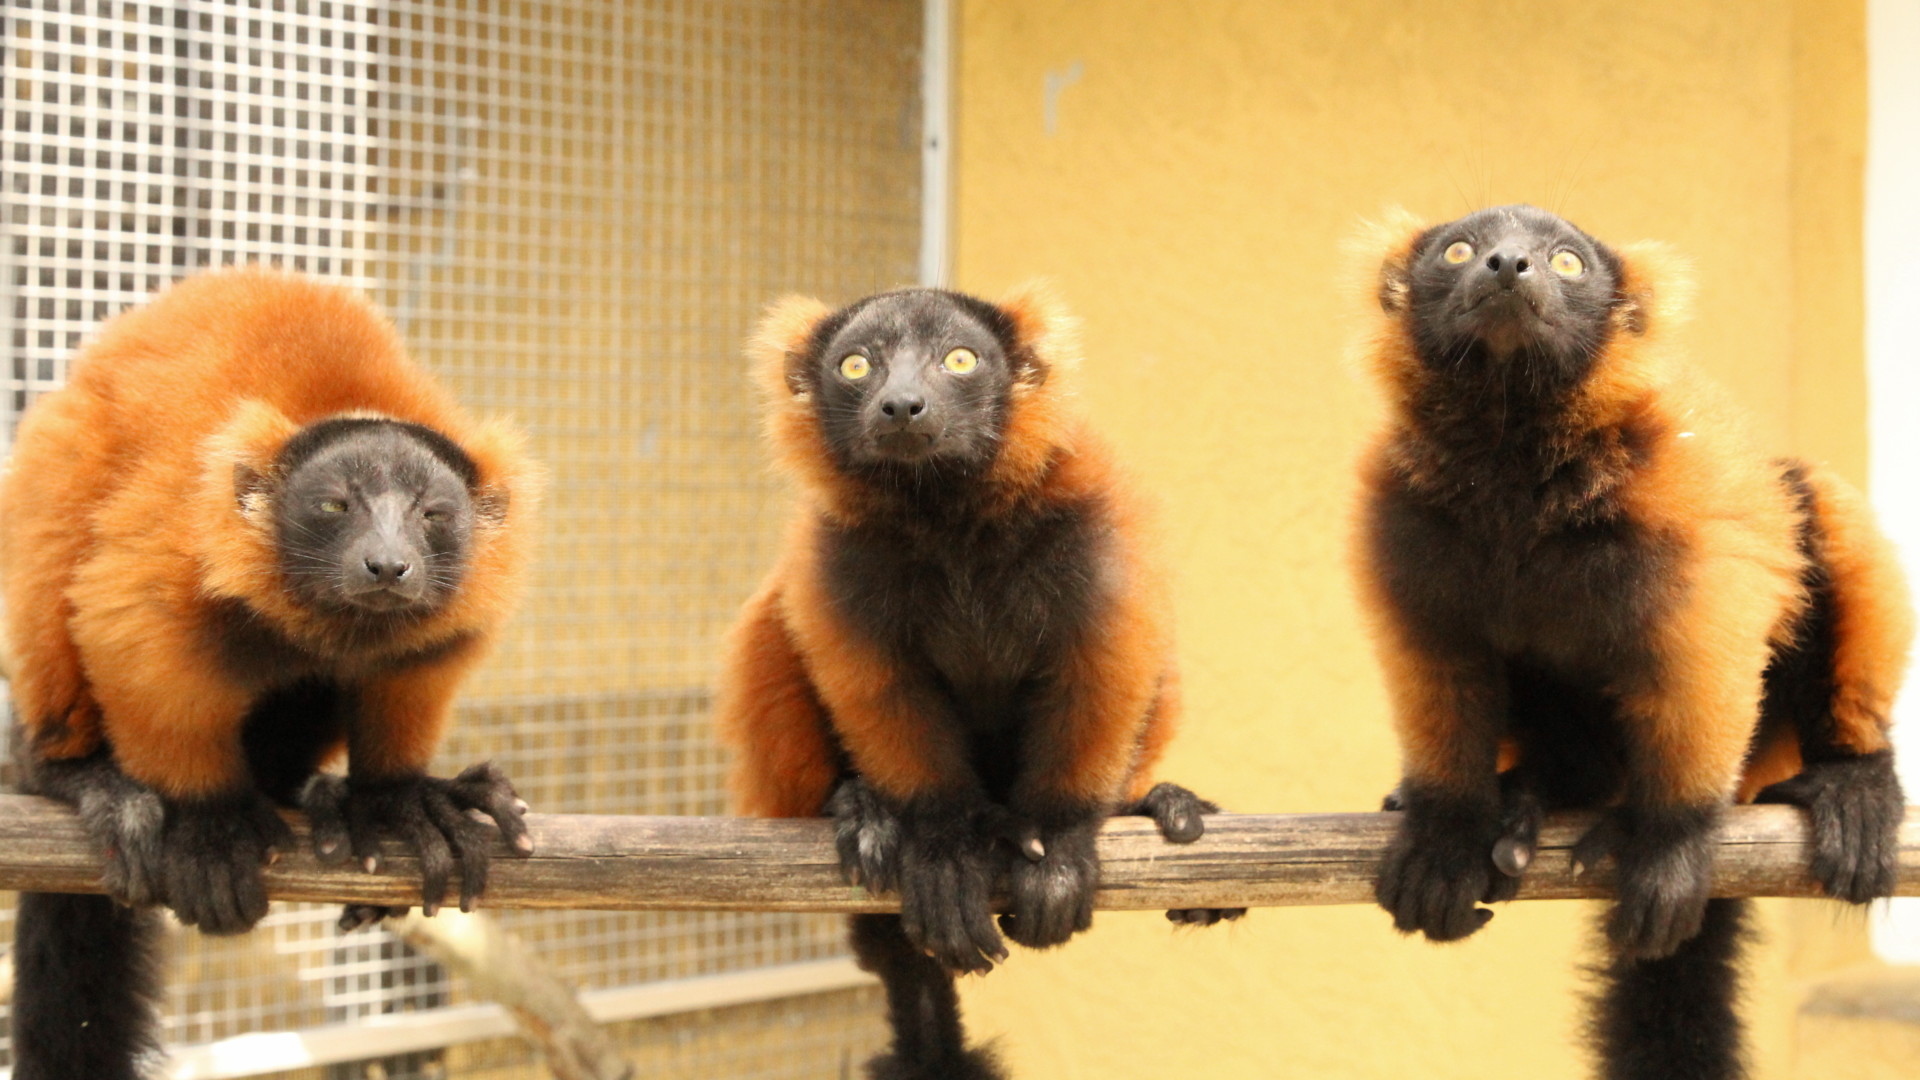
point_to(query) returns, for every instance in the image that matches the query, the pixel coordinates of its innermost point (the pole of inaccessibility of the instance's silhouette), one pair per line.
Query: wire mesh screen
(573, 211)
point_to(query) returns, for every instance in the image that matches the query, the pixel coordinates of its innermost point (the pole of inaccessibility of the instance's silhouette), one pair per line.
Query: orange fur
(798, 678)
(1873, 614)
(123, 526)
(1681, 462)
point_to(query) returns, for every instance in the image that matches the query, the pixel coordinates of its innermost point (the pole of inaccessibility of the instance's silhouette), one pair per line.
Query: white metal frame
(936, 144)
(401, 1033)
(1893, 354)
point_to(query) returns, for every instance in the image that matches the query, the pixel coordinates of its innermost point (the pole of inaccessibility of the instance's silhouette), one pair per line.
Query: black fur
(87, 980)
(310, 441)
(1674, 1018)
(922, 1009)
(1664, 857)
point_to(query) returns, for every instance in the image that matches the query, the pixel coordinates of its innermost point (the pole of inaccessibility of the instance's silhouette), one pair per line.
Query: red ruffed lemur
(1589, 590)
(250, 533)
(964, 655)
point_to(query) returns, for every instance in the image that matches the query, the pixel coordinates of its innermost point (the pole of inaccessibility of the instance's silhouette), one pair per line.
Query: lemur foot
(1856, 806)
(1178, 814)
(437, 816)
(1052, 882)
(866, 833)
(1664, 857)
(123, 818)
(1439, 867)
(202, 857)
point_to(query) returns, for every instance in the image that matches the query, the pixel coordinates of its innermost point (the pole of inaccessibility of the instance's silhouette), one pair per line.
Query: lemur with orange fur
(965, 652)
(249, 534)
(1582, 573)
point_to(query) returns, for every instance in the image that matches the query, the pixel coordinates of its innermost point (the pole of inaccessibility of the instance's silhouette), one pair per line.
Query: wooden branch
(720, 864)
(499, 967)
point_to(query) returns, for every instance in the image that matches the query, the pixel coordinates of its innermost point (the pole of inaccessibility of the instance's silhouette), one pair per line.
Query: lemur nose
(1508, 264)
(904, 408)
(385, 570)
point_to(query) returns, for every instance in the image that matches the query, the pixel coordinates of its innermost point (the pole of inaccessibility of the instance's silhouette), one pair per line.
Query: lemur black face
(1513, 279)
(373, 516)
(913, 379)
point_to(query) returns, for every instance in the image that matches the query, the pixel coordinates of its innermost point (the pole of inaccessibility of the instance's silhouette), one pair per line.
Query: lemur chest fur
(977, 610)
(1524, 572)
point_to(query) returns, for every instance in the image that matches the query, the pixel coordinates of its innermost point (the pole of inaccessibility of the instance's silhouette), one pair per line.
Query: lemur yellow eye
(1458, 252)
(961, 361)
(333, 506)
(855, 367)
(1566, 264)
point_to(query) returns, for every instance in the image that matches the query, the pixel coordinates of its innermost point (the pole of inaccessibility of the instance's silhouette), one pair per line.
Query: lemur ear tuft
(242, 455)
(781, 343)
(1045, 336)
(1383, 251)
(1396, 289)
(1653, 287)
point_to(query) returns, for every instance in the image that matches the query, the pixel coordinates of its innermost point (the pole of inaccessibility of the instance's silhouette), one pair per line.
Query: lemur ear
(241, 455)
(779, 345)
(1653, 286)
(1044, 333)
(1396, 288)
(1383, 251)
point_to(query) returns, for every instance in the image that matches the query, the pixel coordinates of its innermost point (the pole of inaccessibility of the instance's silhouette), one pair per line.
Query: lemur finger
(276, 836)
(1512, 856)
(1176, 812)
(469, 844)
(321, 799)
(436, 858)
(355, 916)
(1017, 831)
(363, 830)
(485, 788)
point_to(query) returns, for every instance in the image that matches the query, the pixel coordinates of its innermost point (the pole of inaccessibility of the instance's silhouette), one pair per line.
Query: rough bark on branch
(715, 864)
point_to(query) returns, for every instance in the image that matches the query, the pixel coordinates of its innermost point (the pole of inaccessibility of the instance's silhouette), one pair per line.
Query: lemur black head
(914, 380)
(1511, 282)
(373, 515)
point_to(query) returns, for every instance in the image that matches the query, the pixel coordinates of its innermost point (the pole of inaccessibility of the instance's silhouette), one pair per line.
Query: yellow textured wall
(1190, 188)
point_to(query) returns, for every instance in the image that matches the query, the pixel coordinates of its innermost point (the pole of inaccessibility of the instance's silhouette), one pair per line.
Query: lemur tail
(922, 1008)
(1673, 1018)
(87, 983)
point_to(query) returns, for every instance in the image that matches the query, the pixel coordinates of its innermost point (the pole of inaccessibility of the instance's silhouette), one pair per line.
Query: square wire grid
(573, 210)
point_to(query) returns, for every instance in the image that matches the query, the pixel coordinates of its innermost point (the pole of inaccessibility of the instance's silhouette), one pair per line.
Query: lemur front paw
(866, 833)
(209, 857)
(1178, 814)
(948, 863)
(1521, 815)
(437, 816)
(1664, 857)
(1856, 807)
(1439, 867)
(1052, 883)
